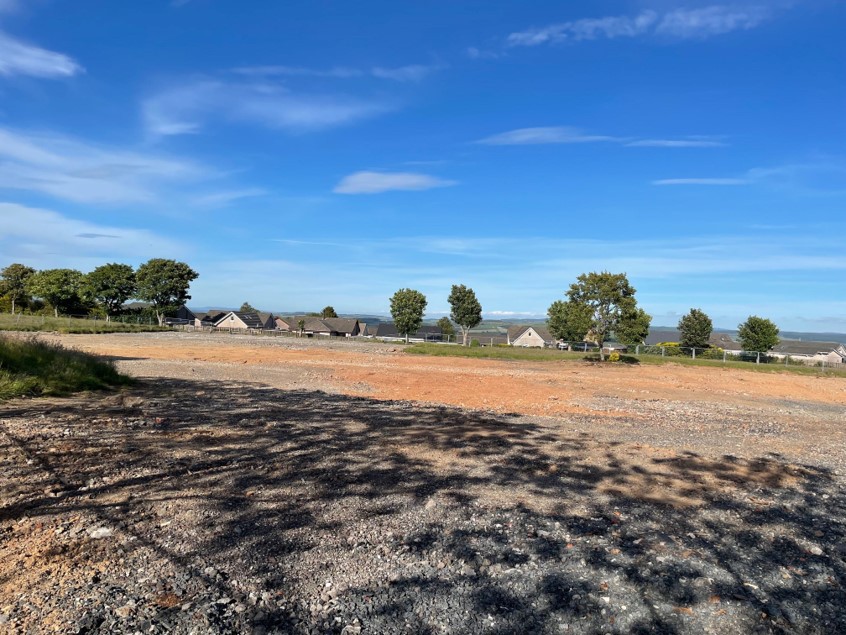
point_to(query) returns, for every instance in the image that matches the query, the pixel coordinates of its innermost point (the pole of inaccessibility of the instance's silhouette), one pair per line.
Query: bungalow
(811, 352)
(337, 327)
(530, 336)
(388, 331)
(239, 320)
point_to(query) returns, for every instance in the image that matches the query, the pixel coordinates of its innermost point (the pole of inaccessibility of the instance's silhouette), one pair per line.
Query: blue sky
(300, 154)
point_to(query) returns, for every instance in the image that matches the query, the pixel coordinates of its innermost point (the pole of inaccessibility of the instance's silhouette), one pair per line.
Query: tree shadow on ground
(432, 519)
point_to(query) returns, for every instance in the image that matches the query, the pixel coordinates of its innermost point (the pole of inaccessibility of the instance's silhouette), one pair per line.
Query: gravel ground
(197, 502)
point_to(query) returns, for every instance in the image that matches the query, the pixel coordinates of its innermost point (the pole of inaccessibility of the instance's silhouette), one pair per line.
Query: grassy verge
(31, 368)
(34, 323)
(545, 354)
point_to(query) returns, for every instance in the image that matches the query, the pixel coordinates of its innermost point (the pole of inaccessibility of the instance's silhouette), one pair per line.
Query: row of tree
(161, 282)
(599, 305)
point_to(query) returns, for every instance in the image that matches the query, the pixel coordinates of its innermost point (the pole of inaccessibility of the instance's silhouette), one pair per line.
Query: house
(330, 327)
(530, 336)
(388, 331)
(811, 352)
(239, 320)
(725, 342)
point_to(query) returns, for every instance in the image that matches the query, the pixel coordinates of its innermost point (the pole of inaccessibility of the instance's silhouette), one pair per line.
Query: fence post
(758, 359)
(694, 352)
(662, 351)
(724, 356)
(637, 349)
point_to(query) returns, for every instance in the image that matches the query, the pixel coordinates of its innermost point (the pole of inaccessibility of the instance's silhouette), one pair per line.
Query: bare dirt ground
(274, 485)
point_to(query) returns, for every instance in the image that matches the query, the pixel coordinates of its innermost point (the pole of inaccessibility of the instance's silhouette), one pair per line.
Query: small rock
(100, 532)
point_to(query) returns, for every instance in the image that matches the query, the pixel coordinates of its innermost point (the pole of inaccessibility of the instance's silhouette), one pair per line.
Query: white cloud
(411, 73)
(339, 72)
(535, 136)
(676, 143)
(481, 54)
(684, 23)
(222, 199)
(43, 238)
(185, 109)
(20, 58)
(702, 181)
(376, 182)
(77, 171)
(708, 21)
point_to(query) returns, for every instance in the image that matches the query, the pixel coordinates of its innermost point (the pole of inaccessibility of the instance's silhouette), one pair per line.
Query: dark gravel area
(188, 507)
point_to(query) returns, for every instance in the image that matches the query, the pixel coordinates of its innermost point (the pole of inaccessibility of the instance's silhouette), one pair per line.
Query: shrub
(614, 356)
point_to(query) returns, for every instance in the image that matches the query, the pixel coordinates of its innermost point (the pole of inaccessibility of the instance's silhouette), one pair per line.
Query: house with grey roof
(388, 331)
(534, 336)
(239, 320)
(811, 352)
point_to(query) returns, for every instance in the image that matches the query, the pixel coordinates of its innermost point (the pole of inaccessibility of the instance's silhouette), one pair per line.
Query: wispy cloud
(569, 134)
(544, 135)
(814, 179)
(367, 182)
(702, 181)
(684, 23)
(676, 143)
(222, 199)
(21, 58)
(411, 73)
(408, 73)
(187, 108)
(42, 237)
(481, 54)
(74, 170)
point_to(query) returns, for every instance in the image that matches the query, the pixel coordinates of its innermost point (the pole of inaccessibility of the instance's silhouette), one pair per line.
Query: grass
(32, 368)
(9, 322)
(551, 355)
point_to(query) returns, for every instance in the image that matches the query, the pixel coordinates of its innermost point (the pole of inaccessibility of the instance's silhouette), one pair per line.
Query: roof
(723, 341)
(341, 325)
(251, 320)
(515, 332)
(389, 329)
(803, 347)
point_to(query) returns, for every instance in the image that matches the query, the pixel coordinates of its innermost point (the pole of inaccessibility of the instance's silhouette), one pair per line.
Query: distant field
(546, 354)
(34, 323)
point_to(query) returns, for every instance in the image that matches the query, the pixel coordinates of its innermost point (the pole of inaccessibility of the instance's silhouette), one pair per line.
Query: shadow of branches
(311, 512)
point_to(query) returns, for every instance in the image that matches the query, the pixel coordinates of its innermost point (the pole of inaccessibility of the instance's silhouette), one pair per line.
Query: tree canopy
(695, 329)
(568, 321)
(328, 312)
(60, 288)
(609, 301)
(466, 311)
(13, 282)
(446, 326)
(246, 307)
(633, 327)
(111, 285)
(407, 307)
(757, 334)
(164, 283)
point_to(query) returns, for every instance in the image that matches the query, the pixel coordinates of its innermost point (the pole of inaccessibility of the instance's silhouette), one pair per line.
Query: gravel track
(249, 498)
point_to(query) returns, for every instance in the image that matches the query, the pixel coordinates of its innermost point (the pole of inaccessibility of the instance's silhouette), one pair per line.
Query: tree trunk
(160, 318)
(464, 334)
(406, 338)
(601, 352)
(56, 311)
(13, 305)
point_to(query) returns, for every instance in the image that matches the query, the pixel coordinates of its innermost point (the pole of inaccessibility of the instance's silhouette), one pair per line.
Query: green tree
(248, 308)
(568, 321)
(608, 299)
(328, 312)
(695, 329)
(465, 309)
(407, 307)
(111, 285)
(757, 334)
(301, 327)
(633, 327)
(60, 288)
(446, 326)
(164, 283)
(13, 282)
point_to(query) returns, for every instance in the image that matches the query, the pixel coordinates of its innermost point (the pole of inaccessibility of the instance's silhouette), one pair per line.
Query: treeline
(598, 306)
(103, 292)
